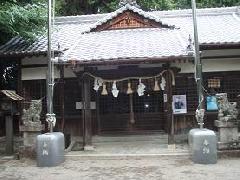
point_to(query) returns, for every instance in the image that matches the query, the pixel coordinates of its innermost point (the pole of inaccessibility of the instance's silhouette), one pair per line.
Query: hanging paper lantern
(156, 85)
(163, 83)
(104, 90)
(115, 91)
(129, 90)
(141, 88)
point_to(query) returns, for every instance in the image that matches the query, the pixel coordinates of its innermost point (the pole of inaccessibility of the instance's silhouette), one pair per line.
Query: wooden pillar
(168, 108)
(87, 116)
(9, 134)
(131, 117)
(98, 113)
(20, 92)
(61, 97)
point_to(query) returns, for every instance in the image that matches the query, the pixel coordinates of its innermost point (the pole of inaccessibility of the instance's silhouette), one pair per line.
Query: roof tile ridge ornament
(238, 10)
(190, 49)
(130, 2)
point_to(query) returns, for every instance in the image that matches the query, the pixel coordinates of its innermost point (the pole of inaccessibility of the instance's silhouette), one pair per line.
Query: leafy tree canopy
(78, 7)
(25, 18)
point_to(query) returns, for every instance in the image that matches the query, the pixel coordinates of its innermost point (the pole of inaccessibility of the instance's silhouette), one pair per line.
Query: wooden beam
(221, 57)
(33, 65)
(126, 71)
(129, 61)
(219, 46)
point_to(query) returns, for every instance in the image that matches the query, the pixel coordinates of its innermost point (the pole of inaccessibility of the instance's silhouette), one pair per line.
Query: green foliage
(20, 18)
(27, 18)
(156, 4)
(78, 7)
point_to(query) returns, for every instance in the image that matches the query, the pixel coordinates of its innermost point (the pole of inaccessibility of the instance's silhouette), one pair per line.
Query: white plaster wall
(187, 67)
(34, 73)
(225, 52)
(68, 73)
(41, 73)
(211, 65)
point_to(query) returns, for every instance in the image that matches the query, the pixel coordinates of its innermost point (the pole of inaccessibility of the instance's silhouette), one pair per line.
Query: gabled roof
(216, 26)
(133, 9)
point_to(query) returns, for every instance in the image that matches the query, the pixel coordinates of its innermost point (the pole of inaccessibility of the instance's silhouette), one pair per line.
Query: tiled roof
(215, 26)
(128, 44)
(12, 95)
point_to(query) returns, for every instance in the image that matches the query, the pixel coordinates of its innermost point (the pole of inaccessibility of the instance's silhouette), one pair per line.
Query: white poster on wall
(179, 104)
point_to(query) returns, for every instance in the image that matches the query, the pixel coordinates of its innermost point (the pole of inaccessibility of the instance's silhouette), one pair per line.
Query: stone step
(107, 156)
(163, 138)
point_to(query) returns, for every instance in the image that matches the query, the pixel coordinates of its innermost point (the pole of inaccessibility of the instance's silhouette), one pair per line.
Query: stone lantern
(8, 108)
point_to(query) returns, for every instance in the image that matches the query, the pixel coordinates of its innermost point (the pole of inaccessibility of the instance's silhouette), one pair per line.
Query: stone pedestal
(228, 135)
(30, 133)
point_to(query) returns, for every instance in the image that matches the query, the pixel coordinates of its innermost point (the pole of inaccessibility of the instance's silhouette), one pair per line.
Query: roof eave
(215, 46)
(121, 61)
(27, 54)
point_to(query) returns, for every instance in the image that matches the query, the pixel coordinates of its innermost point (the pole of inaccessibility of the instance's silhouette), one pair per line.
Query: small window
(214, 83)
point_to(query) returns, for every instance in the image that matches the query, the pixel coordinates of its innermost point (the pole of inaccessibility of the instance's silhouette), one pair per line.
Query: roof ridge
(123, 9)
(91, 18)
(201, 12)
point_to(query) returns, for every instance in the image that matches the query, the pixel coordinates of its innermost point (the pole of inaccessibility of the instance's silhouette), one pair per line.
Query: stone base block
(228, 145)
(29, 138)
(228, 135)
(88, 148)
(27, 152)
(225, 124)
(32, 128)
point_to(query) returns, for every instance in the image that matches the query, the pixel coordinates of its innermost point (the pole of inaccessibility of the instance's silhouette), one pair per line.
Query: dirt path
(134, 168)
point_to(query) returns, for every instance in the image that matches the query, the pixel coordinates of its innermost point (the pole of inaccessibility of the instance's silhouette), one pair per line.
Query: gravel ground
(133, 168)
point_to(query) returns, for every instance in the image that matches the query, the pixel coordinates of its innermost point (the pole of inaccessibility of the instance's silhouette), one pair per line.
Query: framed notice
(179, 104)
(212, 103)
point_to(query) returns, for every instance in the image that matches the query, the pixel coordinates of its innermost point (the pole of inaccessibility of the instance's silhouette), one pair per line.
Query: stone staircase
(125, 146)
(161, 138)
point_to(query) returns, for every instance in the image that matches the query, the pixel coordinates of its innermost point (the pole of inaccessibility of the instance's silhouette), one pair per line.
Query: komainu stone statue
(31, 116)
(227, 111)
